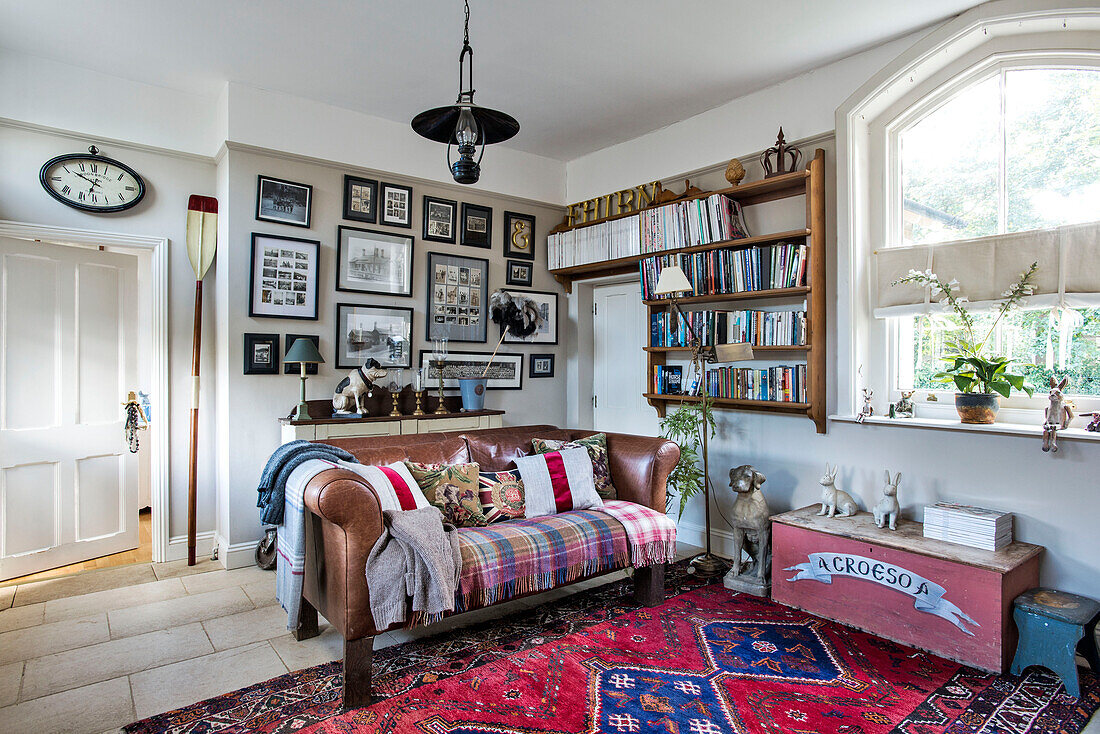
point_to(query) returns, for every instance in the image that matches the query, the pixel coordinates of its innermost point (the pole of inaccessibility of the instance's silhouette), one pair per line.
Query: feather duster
(516, 314)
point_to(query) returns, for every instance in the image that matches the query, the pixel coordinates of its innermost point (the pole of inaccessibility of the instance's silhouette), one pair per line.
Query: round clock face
(92, 183)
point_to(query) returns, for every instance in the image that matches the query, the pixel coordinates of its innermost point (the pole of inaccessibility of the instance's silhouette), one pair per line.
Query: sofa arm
(343, 524)
(640, 466)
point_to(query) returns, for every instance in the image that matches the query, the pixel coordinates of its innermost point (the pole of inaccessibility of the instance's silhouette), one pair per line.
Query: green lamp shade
(303, 350)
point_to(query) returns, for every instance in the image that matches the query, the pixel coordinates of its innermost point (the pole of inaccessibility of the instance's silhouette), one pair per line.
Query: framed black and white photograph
(439, 219)
(458, 296)
(540, 365)
(519, 235)
(477, 226)
(373, 332)
(517, 272)
(396, 203)
(283, 202)
(284, 277)
(360, 199)
(548, 307)
(293, 368)
(373, 262)
(261, 354)
(505, 373)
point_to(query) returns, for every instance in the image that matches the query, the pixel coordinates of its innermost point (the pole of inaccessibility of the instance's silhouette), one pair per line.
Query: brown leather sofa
(345, 520)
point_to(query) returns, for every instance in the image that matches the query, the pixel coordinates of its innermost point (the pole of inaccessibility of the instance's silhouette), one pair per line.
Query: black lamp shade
(439, 124)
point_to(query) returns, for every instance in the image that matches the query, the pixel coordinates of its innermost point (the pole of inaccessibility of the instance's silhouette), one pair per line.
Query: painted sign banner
(927, 595)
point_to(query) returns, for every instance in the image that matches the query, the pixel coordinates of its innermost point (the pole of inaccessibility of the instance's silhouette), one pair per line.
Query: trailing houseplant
(684, 427)
(978, 378)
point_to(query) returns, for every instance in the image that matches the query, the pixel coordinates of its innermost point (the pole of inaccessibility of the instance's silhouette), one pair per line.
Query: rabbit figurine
(1058, 415)
(887, 509)
(835, 502)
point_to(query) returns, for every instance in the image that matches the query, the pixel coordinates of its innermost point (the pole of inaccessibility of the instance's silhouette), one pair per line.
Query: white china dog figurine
(359, 382)
(750, 523)
(835, 502)
(887, 510)
(1058, 415)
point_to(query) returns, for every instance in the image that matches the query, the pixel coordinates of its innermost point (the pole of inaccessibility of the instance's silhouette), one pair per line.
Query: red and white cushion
(396, 488)
(558, 481)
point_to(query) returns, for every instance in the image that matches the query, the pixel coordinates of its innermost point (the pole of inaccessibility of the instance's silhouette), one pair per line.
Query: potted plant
(979, 378)
(684, 427)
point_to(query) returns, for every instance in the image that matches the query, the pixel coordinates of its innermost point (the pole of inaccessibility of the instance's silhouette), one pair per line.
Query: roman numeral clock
(91, 182)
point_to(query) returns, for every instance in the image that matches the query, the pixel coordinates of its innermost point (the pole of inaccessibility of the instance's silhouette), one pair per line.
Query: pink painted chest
(945, 598)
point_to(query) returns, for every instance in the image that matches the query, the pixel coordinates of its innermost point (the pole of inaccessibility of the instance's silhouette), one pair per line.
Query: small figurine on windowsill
(887, 510)
(1058, 415)
(1094, 424)
(867, 410)
(904, 407)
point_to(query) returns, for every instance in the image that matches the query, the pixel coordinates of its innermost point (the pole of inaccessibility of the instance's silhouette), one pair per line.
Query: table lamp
(672, 281)
(303, 351)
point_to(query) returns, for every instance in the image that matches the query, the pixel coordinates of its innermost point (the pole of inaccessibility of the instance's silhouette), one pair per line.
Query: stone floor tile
(106, 601)
(181, 610)
(240, 629)
(84, 583)
(180, 684)
(175, 569)
(10, 677)
(262, 593)
(221, 579)
(20, 617)
(327, 646)
(75, 668)
(46, 639)
(86, 710)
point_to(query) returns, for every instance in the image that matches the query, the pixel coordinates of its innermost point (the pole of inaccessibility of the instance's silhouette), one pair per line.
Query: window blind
(1068, 273)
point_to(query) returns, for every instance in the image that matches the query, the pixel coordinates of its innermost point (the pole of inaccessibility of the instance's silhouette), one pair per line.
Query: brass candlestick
(440, 409)
(419, 404)
(395, 413)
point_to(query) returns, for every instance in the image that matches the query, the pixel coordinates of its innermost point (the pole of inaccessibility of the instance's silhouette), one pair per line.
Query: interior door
(619, 333)
(68, 342)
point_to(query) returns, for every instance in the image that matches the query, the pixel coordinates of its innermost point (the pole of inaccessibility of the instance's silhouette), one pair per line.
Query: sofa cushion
(395, 486)
(424, 447)
(453, 488)
(501, 495)
(596, 445)
(496, 448)
(558, 481)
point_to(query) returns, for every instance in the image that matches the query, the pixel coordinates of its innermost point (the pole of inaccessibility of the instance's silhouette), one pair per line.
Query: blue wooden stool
(1054, 625)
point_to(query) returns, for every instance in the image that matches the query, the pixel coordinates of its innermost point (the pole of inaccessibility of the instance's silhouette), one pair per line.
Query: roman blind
(1068, 273)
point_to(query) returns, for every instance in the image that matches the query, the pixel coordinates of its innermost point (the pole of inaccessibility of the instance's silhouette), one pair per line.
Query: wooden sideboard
(946, 598)
(320, 428)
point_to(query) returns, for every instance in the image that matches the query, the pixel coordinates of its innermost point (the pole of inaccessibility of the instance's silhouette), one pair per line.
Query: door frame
(158, 430)
(579, 407)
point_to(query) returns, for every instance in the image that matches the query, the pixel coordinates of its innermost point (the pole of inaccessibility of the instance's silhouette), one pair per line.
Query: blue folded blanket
(282, 462)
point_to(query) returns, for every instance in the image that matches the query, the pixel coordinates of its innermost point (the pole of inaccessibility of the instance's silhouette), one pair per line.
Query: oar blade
(202, 232)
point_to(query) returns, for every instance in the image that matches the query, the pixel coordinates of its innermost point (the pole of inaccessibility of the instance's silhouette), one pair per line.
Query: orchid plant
(967, 366)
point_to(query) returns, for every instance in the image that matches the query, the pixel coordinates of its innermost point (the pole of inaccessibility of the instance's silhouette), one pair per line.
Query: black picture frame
(550, 336)
(519, 242)
(432, 225)
(356, 188)
(304, 308)
(261, 354)
(460, 311)
(518, 272)
(345, 360)
(397, 217)
(474, 369)
(292, 368)
(278, 193)
(535, 368)
(481, 217)
(402, 245)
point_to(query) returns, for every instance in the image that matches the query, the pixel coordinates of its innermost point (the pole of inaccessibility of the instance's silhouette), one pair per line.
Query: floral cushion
(501, 494)
(597, 450)
(453, 488)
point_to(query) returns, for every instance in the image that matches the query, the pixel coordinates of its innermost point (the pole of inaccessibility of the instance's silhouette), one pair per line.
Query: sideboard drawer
(354, 430)
(463, 423)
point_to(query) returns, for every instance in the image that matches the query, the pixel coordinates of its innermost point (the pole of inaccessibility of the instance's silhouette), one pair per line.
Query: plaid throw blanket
(291, 544)
(652, 534)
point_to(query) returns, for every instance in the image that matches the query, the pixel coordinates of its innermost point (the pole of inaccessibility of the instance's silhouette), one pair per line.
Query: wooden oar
(202, 241)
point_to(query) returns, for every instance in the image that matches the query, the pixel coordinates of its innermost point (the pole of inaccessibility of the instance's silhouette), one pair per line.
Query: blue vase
(473, 393)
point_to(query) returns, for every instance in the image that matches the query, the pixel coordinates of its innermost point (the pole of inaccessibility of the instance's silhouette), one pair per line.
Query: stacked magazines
(976, 527)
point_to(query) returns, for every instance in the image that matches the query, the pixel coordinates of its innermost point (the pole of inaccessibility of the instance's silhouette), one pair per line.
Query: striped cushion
(558, 481)
(395, 486)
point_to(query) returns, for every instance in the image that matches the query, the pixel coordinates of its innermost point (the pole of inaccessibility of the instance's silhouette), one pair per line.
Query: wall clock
(91, 182)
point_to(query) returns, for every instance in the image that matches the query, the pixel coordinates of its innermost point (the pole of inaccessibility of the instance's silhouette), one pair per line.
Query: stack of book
(759, 328)
(668, 380)
(780, 384)
(976, 527)
(594, 243)
(693, 222)
(782, 265)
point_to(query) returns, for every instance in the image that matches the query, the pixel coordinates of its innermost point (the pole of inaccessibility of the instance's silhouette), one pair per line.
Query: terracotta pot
(977, 407)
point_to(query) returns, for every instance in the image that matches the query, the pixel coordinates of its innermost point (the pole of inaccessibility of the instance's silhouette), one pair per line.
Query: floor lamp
(671, 282)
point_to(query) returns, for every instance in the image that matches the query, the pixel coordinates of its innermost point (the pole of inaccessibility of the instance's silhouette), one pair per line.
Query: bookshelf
(808, 184)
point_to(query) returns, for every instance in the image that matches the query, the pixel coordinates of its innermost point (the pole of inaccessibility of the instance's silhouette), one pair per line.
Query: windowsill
(941, 424)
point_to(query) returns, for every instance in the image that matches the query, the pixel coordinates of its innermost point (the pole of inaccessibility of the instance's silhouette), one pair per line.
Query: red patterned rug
(707, 661)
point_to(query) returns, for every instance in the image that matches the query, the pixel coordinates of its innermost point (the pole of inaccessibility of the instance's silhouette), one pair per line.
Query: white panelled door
(68, 355)
(619, 333)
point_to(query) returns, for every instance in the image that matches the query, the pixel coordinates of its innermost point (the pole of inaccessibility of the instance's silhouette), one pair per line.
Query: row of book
(976, 527)
(782, 265)
(781, 384)
(715, 218)
(594, 243)
(759, 328)
(667, 380)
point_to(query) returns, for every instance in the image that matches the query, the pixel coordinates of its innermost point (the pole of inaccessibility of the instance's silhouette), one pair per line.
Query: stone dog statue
(749, 519)
(359, 382)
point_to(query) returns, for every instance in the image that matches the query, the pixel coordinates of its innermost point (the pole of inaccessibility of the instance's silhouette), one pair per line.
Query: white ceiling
(579, 75)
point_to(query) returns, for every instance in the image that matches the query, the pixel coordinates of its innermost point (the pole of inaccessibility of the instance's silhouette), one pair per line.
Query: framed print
(540, 365)
(261, 354)
(360, 199)
(396, 205)
(373, 262)
(293, 368)
(283, 202)
(458, 297)
(517, 272)
(548, 307)
(379, 332)
(477, 226)
(439, 219)
(519, 235)
(284, 277)
(506, 372)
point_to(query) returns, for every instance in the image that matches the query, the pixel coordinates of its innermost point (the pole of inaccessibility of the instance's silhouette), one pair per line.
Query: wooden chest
(945, 598)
